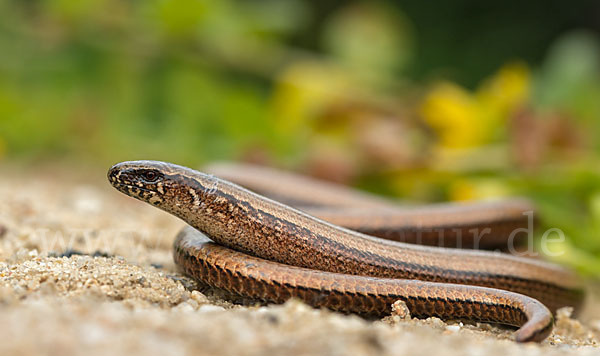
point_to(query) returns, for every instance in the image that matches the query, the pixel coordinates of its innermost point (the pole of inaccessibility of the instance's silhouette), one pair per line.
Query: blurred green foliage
(158, 78)
(427, 102)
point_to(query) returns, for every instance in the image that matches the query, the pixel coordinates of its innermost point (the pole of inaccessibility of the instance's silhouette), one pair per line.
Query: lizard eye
(150, 176)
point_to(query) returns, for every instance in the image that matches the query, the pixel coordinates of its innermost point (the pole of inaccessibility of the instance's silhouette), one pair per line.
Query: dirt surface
(86, 270)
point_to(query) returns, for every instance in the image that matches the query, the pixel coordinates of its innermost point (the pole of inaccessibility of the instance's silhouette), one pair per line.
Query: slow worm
(252, 245)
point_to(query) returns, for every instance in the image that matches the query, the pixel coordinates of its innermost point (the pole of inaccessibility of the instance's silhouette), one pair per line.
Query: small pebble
(400, 309)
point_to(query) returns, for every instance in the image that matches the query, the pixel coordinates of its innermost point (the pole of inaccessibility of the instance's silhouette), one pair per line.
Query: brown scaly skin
(245, 275)
(479, 225)
(469, 226)
(339, 268)
(293, 189)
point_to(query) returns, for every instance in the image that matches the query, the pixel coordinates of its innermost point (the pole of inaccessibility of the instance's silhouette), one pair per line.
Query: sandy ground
(86, 270)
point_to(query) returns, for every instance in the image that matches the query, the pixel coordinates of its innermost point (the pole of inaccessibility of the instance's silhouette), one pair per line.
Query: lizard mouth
(131, 189)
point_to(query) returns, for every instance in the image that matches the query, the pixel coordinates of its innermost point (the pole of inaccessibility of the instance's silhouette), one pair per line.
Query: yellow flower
(508, 89)
(466, 120)
(452, 112)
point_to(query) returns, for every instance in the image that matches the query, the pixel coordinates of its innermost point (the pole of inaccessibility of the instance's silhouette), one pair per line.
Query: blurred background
(426, 102)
